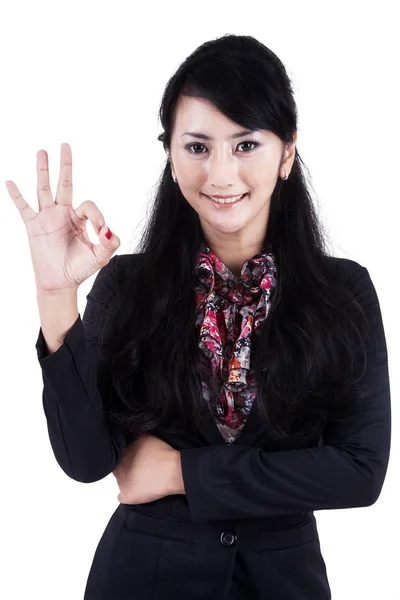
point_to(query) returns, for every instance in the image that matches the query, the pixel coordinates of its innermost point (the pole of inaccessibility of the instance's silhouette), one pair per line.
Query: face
(229, 163)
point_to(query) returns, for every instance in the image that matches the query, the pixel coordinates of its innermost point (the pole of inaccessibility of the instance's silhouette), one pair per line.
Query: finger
(89, 210)
(64, 187)
(45, 197)
(107, 247)
(27, 213)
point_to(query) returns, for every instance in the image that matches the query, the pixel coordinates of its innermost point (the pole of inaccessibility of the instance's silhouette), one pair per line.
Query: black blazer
(245, 529)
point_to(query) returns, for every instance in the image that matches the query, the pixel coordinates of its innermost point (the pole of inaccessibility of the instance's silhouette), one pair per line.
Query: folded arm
(348, 470)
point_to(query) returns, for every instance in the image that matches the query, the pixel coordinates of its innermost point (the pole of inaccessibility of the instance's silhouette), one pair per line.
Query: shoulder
(347, 268)
(351, 273)
(127, 260)
(357, 279)
(108, 279)
(126, 264)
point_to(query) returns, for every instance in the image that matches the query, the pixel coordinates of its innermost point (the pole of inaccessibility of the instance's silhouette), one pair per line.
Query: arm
(243, 482)
(58, 312)
(86, 446)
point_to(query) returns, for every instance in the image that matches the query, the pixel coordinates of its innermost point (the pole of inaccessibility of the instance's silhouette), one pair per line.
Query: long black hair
(306, 353)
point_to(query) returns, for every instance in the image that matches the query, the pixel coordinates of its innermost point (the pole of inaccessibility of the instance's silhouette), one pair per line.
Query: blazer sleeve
(348, 470)
(85, 444)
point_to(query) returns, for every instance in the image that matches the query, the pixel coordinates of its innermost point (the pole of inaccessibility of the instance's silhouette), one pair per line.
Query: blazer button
(228, 539)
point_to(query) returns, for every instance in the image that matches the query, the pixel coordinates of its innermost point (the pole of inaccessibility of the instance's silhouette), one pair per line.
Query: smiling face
(229, 163)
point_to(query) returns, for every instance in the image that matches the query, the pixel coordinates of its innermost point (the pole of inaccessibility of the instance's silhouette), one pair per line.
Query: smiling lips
(222, 202)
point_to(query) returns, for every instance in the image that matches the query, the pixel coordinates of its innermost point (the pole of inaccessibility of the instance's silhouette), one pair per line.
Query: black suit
(245, 530)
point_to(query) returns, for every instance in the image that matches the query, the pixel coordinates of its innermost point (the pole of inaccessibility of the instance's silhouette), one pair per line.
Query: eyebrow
(206, 137)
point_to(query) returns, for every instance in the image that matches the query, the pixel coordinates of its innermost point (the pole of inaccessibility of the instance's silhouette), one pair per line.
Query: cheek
(193, 197)
(265, 178)
(191, 180)
(199, 202)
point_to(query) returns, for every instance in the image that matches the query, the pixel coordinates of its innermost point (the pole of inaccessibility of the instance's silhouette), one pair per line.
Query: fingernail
(108, 234)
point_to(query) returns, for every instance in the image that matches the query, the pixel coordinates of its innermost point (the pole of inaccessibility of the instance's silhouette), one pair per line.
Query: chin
(223, 225)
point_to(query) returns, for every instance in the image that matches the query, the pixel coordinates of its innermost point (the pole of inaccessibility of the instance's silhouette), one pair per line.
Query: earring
(286, 176)
(174, 178)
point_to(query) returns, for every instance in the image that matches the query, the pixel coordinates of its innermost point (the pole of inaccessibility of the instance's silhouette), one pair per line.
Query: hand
(149, 469)
(62, 254)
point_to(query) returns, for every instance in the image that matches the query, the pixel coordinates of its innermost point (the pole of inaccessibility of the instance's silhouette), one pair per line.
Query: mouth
(225, 203)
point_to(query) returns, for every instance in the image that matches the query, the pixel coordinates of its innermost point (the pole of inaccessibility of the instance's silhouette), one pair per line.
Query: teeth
(226, 200)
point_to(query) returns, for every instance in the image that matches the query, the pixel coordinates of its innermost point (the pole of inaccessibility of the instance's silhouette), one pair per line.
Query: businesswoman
(232, 374)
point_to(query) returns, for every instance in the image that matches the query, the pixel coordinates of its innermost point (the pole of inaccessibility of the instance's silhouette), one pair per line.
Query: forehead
(197, 114)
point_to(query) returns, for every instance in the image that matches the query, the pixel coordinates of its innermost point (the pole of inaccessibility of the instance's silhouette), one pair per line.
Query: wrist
(66, 292)
(178, 486)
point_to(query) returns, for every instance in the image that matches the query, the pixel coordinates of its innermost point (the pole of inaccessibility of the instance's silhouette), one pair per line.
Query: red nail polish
(108, 234)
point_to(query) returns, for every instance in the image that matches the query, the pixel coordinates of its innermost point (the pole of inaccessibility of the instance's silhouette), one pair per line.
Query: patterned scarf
(229, 309)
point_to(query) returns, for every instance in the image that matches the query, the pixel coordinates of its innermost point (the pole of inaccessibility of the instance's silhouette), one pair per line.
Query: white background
(92, 74)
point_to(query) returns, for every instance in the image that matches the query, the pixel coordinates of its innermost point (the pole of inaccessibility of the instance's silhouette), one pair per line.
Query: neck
(233, 256)
(233, 249)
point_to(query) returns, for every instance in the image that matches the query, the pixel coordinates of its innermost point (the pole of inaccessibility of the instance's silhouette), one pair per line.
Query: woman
(231, 374)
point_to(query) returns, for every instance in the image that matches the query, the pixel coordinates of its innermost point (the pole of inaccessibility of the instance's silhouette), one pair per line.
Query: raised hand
(62, 254)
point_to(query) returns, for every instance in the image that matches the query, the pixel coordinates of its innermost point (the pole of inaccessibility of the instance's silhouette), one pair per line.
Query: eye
(254, 142)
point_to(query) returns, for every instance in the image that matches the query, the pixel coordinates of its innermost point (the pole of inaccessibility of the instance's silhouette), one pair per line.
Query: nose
(222, 169)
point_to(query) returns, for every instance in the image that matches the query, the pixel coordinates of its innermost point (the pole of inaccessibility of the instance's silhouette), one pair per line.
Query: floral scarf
(228, 310)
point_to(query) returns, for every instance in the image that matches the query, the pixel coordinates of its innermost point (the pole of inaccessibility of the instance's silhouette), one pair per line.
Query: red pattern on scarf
(229, 309)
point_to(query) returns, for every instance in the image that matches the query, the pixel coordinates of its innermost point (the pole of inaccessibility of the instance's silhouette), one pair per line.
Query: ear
(289, 154)
(172, 168)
